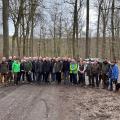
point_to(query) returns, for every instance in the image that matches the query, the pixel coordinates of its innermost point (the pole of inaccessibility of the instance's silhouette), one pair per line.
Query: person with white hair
(74, 67)
(113, 75)
(28, 69)
(16, 71)
(95, 74)
(10, 75)
(4, 71)
(58, 69)
(81, 73)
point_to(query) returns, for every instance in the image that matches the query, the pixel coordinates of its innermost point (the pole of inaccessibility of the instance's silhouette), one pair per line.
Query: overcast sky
(93, 19)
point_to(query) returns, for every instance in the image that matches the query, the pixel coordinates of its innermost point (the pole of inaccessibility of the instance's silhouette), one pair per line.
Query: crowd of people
(59, 70)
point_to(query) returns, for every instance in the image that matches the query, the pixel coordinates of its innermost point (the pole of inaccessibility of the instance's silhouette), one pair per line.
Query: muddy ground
(53, 102)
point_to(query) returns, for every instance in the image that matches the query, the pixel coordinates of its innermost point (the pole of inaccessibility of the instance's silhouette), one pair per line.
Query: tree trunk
(54, 36)
(104, 39)
(98, 27)
(5, 28)
(112, 30)
(87, 31)
(75, 28)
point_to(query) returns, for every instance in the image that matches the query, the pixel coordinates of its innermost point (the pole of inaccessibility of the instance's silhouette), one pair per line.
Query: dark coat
(95, 69)
(4, 68)
(66, 66)
(58, 66)
(52, 66)
(46, 66)
(34, 66)
(28, 66)
(10, 62)
(22, 67)
(89, 69)
(39, 66)
(105, 68)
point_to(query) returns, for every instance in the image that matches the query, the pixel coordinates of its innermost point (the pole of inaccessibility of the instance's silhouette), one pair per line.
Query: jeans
(39, 77)
(90, 80)
(95, 77)
(58, 77)
(17, 78)
(46, 77)
(53, 76)
(22, 75)
(81, 79)
(73, 78)
(28, 76)
(66, 76)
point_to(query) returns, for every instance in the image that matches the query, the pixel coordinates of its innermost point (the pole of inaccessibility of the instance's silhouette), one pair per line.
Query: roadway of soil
(53, 102)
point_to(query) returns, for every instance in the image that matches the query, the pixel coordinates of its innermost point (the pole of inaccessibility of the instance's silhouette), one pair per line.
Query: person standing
(89, 72)
(95, 74)
(16, 71)
(58, 70)
(34, 66)
(10, 75)
(113, 74)
(28, 69)
(52, 70)
(73, 71)
(65, 70)
(4, 69)
(81, 73)
(104, 72)
(46, 70)
(39, 70)
(22, 70)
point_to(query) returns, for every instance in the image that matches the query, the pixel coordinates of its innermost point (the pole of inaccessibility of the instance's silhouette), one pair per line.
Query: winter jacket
(46, 66)
(28, 66)
(39, 66)
(89, 69)
(95, 69)
(10, 62)
(34, 66)
(82, 68)
(4, 68)
(74, 68)
(22, 67)
(114, 72)
(66, 66)
(58, 66)
(16, 67)
(105, 68)
(52, 66)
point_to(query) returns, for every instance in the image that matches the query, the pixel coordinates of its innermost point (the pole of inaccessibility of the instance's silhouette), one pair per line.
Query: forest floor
(58, 102)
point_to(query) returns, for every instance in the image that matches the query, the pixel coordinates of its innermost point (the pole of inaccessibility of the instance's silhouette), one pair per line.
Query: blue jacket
(114, 72)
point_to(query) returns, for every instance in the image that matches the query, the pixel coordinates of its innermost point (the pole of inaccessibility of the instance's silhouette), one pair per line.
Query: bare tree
(98, 27)
(112, 30)
(105, 17)
(5, 28)
(87, 30)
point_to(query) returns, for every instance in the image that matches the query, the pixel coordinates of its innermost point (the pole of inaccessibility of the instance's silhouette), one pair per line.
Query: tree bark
(87, 31)
(98, 27)
(112, 30)
(5, 28)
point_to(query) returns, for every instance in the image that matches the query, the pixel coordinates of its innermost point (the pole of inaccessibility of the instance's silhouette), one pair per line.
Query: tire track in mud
(4, 91)
(19, 105)
(32, 102)
(46, 106)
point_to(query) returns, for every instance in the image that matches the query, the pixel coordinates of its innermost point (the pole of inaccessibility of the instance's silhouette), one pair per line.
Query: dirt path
(33, 102)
